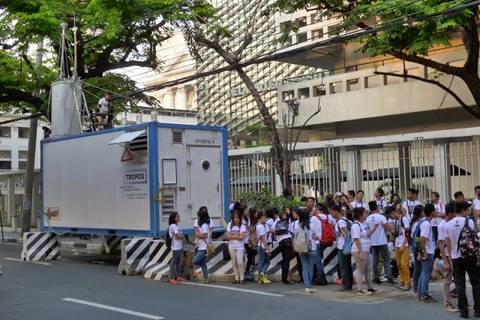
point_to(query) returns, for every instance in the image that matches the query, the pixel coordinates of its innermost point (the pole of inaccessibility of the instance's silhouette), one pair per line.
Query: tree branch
(14, 95)
(457, 71)
(465, 106)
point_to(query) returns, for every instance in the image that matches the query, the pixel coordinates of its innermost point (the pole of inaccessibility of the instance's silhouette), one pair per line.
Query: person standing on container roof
(103, 109)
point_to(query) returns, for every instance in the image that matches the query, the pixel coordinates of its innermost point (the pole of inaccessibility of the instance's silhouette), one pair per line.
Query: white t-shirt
(401, 225)
(442, 233)
(341, 223)
(382, 204)
(269, 224)
(316, 228)
(476, 204)
(236, 244)
(359, 231)
(439, 208)
(172, 231)
(202, 243)
(310, 234)
(408, 206)
(357, 204)
(261, 231)
(454, 228)
(331, 220)
(292, 227)
(104, 105)
(378, 237)
(426, 232)
(281, 237)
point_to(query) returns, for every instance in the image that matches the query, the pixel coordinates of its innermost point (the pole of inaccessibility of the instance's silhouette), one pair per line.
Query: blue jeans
(319, 264)
(263, 260)
(427, 267)
(308, 261)
(200, 259)
(417, 270)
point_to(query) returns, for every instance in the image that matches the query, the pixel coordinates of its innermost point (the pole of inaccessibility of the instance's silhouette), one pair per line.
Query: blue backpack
(347, 246)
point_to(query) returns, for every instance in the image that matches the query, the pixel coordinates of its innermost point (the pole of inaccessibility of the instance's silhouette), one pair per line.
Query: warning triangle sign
(127, 155)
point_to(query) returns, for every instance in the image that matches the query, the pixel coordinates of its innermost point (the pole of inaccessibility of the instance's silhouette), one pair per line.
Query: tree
(209, 36)
(410, 29)
(112, 34)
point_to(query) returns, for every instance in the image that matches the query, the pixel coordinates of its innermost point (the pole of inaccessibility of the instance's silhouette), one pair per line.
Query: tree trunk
(29, 175)
(473, 84)
(281, 162)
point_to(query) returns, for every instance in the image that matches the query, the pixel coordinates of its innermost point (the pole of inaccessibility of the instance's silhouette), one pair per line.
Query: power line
(334, 40)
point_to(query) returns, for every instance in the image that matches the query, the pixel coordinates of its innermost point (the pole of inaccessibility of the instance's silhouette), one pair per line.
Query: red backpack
(328, 232)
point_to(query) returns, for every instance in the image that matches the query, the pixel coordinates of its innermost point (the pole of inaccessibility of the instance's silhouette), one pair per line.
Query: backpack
(281, 227)
(300, 241)
(328, 232)
(468, 243)
(252, 236)
(348, 243)
(168, 239)
(416, 239)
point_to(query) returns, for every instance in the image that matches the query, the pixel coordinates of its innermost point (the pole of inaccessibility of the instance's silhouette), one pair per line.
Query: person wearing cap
(342, 230)
(461, 265)
(442, 246)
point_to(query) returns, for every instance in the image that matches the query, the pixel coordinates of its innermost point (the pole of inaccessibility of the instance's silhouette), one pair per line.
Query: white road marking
(34, 262)
(115, 309)
(262, 293)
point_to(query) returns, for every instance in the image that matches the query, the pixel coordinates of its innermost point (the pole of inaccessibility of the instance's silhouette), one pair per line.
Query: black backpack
(468, 243)
(281, 227)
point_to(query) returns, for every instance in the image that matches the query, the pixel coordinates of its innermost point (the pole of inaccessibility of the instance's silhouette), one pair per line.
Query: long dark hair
(203, 216)
(304, 218)
(270, 213)
(252, 213)
(172, 217)
(357, 213)
(417, 213)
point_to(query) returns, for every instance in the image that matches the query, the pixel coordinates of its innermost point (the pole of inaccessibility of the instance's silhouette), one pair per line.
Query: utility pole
(32, 143)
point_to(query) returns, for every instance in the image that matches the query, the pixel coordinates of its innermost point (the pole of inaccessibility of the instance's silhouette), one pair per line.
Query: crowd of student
(390, 238)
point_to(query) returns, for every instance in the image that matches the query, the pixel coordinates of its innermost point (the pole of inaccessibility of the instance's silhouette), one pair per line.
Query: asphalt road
(77, 289)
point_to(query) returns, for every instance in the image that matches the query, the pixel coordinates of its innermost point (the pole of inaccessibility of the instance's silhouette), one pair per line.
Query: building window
(283, 26)
(302, 37)
(23, 133)
(5, 165)
(301, 22)
(336, 87)
(372, 81)
(304, 93)
(316, 17)
(5, 132)
(22, 154)
(351, 69)
(288, 95)
(319, 90)
(353, 84)
(22, 164)
(5, 154)
(333, 30)
(317, 34)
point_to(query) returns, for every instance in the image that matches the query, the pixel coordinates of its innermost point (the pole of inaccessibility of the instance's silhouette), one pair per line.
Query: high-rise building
(223, 99)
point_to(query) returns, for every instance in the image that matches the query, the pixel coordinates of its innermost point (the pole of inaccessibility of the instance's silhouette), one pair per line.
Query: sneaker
(390, 281)
(308, 291)
(244, 282)
(450, 308)
(428, 299)
(172, 281)
(313, 290)
(362, 292)
(236, 282)
(205, 281)
(374, 290)
(180, 279)
(405, 288)
(377, 281)
(339, 282)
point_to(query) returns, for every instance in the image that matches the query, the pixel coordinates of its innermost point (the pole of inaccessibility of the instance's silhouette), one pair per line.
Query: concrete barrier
(134, 255)
(40, 246)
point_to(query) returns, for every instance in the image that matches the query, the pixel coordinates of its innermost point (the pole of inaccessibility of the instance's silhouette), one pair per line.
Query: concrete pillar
(441, 170)
(332, 156)
(36, 214)
(11, 200)
(405, 168)
(351, 156)
(154, 115)
(139, 118)
(169, 99)
(181, 98)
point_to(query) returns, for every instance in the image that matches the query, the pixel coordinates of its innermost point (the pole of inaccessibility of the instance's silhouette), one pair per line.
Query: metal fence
(444, 166)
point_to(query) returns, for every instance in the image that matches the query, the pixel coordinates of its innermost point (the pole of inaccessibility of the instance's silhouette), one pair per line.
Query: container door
(205, 180)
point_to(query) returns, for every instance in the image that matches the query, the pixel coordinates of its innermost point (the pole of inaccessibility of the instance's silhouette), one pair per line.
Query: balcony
(364, 95)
